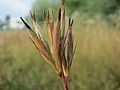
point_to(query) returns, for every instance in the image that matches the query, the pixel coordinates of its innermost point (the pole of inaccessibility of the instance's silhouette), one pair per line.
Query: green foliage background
(96, 64)
(94, 7)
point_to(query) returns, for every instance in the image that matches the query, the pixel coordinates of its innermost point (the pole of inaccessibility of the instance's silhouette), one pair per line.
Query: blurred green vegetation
(96, 64)
(93, 7)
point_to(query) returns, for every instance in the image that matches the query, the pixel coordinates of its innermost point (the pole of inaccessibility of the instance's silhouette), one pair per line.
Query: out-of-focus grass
(21, 67)
(97, 60)
(96, 64)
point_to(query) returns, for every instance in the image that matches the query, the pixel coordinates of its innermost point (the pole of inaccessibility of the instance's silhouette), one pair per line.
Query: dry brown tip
(63, 2)
(59, 14)
(27, 26)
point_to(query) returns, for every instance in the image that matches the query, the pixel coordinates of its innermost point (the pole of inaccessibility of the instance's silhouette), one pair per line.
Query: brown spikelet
(69, 43)
(56, 32)
(37, 42)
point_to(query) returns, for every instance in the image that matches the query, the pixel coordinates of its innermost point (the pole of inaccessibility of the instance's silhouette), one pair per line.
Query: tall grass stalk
(59, 49)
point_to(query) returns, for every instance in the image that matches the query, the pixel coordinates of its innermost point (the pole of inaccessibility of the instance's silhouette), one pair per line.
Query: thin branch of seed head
(44, 14)
(33, 16)
(63, 2)
(48, 15)
(70, 22)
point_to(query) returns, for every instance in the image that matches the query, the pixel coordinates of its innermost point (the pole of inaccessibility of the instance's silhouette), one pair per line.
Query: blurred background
(96, 29)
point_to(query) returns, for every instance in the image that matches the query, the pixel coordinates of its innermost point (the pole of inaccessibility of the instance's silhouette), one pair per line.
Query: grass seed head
(58, 51)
